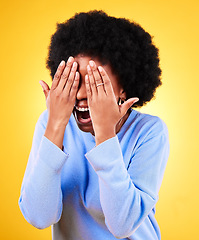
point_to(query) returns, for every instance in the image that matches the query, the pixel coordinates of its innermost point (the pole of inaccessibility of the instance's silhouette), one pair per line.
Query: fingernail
(100, 68)
(86, 77)
(91, 63)
(88, 68)
(136, 100)
(74, 65)
(62, 63)
(76, 75)
(70, 59)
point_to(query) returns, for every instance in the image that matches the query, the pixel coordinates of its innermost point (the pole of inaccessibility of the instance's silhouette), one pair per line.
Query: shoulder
(148, 132)
(142, 127)
(148, 123)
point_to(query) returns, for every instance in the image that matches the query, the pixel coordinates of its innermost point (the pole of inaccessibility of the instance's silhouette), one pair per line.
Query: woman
(96, 165)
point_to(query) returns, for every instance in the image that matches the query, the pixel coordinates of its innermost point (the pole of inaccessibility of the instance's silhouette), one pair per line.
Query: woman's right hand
(60, 99)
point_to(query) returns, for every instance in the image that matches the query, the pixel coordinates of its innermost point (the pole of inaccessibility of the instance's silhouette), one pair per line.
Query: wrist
(55, 133)
(56, 125)
(104, 135)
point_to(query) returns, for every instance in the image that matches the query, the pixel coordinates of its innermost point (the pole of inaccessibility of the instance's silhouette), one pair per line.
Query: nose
(81, 93)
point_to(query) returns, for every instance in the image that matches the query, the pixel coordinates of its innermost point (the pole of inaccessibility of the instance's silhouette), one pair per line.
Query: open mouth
(82, 114)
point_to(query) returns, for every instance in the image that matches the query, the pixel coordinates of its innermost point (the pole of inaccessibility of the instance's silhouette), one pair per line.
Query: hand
(60, 99)
(104, 110)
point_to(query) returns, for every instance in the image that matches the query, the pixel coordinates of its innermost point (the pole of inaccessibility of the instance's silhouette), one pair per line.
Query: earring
(120, 102)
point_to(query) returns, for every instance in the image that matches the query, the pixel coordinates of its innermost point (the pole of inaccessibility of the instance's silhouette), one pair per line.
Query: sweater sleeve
(41, 196)
(127, 195)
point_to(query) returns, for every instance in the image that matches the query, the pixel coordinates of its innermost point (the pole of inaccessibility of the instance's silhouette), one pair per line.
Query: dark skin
(82, 82)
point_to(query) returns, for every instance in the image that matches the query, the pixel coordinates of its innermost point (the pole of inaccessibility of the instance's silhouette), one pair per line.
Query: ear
(122, 95)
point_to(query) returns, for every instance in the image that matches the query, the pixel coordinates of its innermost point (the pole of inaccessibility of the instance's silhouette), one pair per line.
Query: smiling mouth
(82, 114)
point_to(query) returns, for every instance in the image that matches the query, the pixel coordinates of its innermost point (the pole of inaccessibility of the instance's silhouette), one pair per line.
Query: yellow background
(26, 27)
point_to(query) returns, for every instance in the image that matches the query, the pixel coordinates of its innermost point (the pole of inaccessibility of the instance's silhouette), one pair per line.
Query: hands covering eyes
(60, 99)
(104, 110)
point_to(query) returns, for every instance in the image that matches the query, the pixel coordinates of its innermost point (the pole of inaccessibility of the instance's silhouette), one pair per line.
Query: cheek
(117, 90)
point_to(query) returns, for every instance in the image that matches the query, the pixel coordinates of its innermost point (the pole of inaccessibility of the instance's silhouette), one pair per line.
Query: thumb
(127, 104)
(45, 88)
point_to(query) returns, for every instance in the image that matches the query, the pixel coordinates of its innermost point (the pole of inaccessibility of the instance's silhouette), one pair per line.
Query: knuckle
(71, 99)
(68, 63)
(64, 76)
(92, 84)
(57, 94)
(107, 83)
(56, 77)
(70, 80)
(75, 86)
(68, 66)
(103, 73)
(88, 90)
(98, 80)
(87, 83)
(64, 98)
(73, 70)
(68, 99)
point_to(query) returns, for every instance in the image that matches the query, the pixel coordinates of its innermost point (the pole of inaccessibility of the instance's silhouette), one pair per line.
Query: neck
(122, 121)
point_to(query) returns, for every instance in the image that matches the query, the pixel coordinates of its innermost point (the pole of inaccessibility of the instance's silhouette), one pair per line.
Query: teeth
(81, 109)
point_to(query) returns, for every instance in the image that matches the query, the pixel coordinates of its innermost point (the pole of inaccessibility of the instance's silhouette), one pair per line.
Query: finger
(75, 86)
(45, 88)
(65, 73)
(88, 89)
(106, 80)
(127, 104)
(91, 80)
(58, 74)
(71, 78)
(97, 77)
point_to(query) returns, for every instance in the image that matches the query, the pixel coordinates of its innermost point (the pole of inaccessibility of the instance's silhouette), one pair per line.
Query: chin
(85, 127)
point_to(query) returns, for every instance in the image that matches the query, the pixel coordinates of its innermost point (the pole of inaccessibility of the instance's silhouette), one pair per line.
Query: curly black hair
(124, 45)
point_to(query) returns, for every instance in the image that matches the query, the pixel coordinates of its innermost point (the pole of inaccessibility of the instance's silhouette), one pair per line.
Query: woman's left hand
(104, 110)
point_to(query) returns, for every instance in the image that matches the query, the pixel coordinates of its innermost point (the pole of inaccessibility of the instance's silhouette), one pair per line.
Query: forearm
(55, 133)
(41, 195)
(60, 100)
(124, 205)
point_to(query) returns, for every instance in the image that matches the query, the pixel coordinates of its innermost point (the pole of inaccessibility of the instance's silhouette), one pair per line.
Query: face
(80, 111)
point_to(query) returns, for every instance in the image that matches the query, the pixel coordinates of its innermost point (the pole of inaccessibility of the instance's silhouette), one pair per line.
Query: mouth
(82, 115)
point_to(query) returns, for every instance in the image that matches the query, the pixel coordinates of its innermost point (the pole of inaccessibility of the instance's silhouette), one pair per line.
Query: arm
(41, 196)
(128, 195)
(104, 110)
(60, 100)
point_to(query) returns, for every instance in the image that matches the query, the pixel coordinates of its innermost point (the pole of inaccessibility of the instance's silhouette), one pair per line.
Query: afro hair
(122, 44)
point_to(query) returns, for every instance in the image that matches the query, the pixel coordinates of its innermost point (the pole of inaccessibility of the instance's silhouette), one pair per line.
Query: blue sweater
(99, 192)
